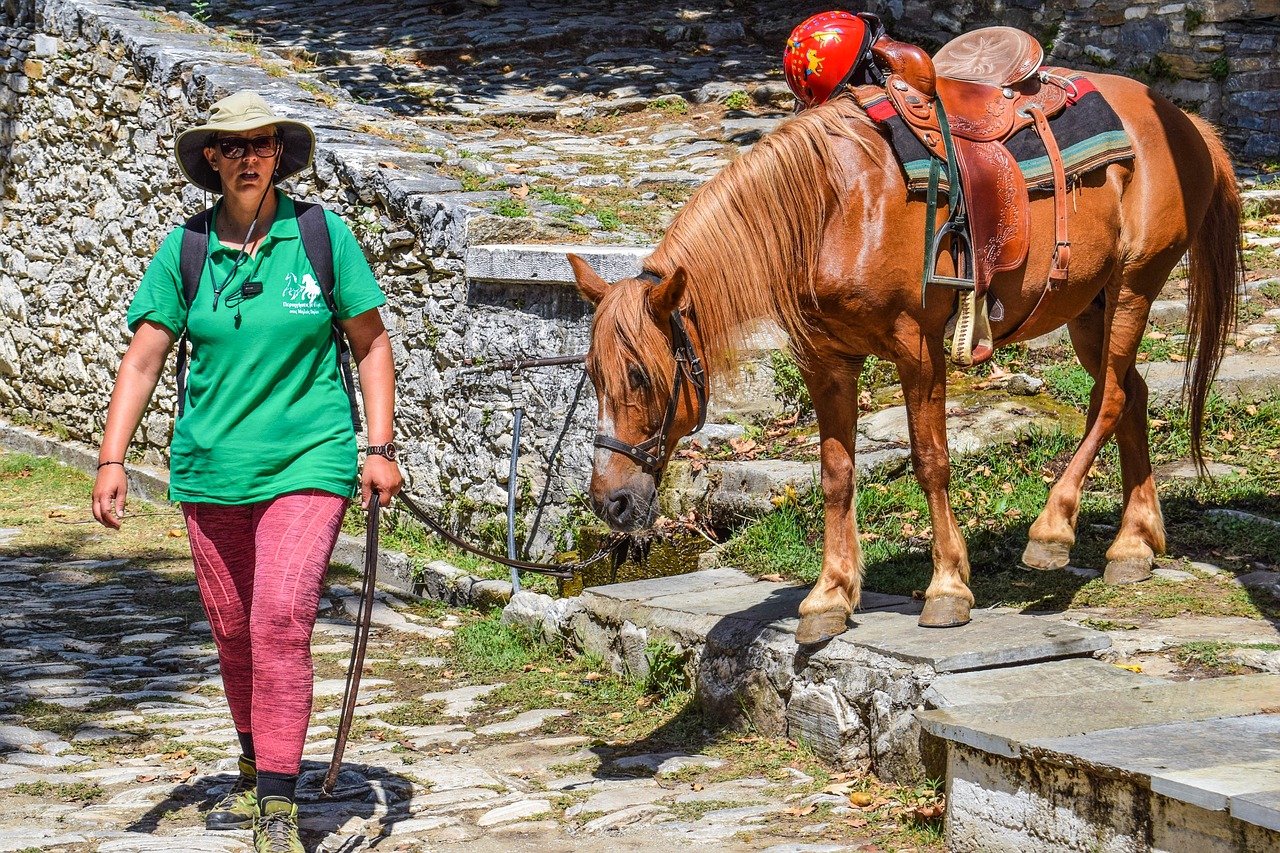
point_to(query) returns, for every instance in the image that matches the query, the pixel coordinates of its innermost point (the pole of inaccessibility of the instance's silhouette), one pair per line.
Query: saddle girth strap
(1058, 270)
(1062, 243)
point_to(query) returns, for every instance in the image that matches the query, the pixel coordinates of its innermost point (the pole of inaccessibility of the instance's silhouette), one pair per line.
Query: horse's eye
(637, 378)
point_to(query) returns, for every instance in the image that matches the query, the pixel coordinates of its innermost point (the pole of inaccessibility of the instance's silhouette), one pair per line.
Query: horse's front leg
(825, 611)
(948, 600)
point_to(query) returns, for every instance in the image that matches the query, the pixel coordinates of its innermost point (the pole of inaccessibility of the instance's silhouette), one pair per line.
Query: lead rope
(358, 643)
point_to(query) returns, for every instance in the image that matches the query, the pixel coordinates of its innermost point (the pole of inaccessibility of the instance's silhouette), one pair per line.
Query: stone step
(533, 263)
(1244, 377)
(852, 699)
(1173, 766)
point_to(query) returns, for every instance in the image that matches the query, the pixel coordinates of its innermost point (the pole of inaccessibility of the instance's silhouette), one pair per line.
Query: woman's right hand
(139, 371)
(109, 495)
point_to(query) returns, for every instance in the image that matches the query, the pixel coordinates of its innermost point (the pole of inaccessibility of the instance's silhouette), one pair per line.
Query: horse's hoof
(945, 611)
(820, 627)
(1128, 570)
(1047, 556)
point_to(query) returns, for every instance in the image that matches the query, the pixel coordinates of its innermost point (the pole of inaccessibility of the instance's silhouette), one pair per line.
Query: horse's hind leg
(1117, 405)
(825, 611)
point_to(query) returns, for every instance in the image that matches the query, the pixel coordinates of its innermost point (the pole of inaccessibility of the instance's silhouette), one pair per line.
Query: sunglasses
(235, 147)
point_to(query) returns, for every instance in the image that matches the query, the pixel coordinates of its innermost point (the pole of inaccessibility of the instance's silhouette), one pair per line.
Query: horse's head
(650, 384)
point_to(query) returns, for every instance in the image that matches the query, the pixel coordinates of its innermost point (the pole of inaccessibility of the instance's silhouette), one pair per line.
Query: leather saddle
(979, 90)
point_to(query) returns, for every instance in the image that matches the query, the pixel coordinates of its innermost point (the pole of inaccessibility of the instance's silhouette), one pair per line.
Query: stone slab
(1204, 763)
(1005, 729)
(653, 588)
(535, 263)
(1013, 684)
(1245, 377)
(1259, 809)
(994, 638)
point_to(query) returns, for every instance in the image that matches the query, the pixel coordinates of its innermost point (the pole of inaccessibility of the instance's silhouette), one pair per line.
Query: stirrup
(971, 341)
(962, 252)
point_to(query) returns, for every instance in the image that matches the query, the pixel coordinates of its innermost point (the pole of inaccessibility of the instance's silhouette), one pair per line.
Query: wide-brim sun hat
(241, 113)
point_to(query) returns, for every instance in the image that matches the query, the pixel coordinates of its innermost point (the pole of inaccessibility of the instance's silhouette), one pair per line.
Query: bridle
(651, 453)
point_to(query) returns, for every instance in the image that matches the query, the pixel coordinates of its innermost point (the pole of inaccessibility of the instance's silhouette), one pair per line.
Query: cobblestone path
(114, 733)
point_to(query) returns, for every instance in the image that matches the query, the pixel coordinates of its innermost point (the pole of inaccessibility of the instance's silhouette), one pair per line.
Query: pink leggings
(260, 567)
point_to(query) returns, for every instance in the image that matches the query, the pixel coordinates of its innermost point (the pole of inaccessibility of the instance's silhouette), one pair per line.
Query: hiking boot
(276, 829)
(239, 806)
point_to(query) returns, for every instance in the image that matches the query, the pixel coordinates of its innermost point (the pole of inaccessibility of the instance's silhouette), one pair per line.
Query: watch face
(390, 451)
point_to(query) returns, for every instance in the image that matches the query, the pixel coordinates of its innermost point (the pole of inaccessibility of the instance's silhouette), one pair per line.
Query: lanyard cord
(217, 291)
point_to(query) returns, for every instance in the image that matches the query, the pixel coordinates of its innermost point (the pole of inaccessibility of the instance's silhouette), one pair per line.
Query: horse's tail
(1214, 274)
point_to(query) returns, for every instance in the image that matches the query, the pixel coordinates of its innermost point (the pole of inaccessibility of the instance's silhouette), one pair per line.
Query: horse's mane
(748, 240)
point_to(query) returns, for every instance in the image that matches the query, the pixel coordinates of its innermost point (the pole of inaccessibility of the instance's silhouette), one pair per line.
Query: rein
(359, 642)
(651, 453)
(564, 571)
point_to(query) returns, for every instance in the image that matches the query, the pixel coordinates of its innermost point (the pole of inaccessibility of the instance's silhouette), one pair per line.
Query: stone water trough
(1043, 748)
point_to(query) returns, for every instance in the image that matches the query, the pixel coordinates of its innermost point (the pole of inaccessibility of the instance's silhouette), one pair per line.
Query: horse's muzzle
(625, 510)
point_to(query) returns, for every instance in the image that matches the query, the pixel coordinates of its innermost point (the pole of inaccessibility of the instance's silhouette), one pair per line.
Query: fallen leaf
(772, 578)
(1132, 667)
(146, 777)
(856, 822)
(184, 775)
(545, 669)
(697, 786)
(1251, 409)
(1020, 584)
(56, 513)
(175, 756)
(176, 532)
(928, 812)
(521, 191)
(1156, 336)
(861, 798)
(592, 676)
(386, 164)
(407, 745)
(617, 715)
(801, 811)
(742, 445)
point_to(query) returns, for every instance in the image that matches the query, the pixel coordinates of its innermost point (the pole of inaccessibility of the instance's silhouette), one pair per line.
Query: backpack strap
(195, 249)
(315, 242)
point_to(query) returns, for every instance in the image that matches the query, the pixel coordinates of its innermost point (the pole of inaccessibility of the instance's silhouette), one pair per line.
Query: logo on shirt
(302, 296)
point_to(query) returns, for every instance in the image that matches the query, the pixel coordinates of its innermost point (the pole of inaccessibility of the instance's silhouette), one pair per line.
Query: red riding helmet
(822, 53)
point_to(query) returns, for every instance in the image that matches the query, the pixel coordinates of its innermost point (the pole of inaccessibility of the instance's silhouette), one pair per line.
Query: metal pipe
(513, 484)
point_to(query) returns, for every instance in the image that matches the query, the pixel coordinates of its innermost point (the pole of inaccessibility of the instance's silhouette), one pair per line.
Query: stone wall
(91, 99)
(1220, 58)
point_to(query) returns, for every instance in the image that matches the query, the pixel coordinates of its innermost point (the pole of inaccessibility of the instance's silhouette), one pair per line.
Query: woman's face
(247, 161)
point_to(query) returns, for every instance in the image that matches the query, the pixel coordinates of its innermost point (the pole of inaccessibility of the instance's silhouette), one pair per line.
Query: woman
(263, 457)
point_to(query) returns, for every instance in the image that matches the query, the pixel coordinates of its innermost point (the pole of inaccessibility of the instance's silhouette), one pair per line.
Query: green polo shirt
(265, 412)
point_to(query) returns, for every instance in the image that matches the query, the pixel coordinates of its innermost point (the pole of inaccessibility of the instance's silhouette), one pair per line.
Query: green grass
(67, 792)
(490, 646)
(1215, 656)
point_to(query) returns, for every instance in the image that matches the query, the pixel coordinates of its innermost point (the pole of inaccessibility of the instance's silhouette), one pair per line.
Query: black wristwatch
(388, 450)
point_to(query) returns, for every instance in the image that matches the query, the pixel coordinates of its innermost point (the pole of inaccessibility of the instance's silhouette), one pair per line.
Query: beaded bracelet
(102, 465)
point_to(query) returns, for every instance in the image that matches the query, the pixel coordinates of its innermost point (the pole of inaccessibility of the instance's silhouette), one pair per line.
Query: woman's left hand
(380, 475)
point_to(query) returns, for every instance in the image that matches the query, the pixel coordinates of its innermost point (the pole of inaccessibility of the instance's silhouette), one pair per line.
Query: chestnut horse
(814, 230)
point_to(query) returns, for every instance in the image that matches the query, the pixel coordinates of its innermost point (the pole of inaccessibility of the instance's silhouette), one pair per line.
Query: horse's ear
(665, 297)
(590, 285)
